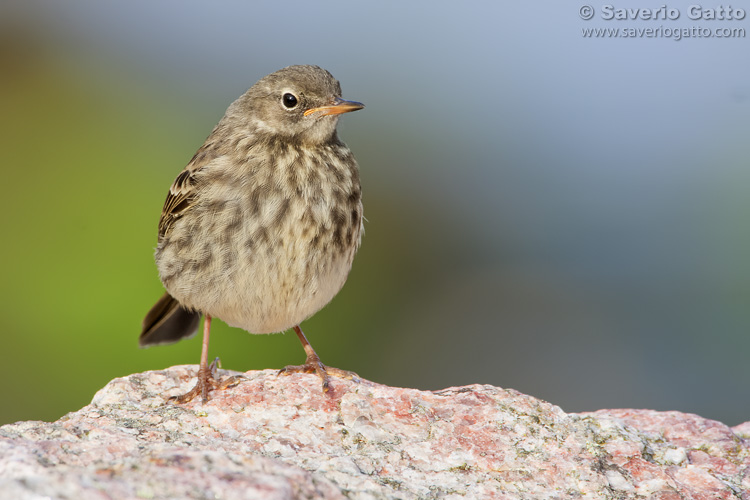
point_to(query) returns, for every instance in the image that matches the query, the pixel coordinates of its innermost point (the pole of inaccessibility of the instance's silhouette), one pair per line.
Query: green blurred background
(560, 215)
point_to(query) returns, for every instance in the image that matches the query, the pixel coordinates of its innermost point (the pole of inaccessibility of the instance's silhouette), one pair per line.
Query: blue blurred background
(562, 215)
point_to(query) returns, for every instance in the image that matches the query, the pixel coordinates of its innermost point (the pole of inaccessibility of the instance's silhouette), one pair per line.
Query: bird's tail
(168, 322)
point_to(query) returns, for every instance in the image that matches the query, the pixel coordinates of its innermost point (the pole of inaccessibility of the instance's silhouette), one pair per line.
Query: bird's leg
(206, 373)
(314, 365)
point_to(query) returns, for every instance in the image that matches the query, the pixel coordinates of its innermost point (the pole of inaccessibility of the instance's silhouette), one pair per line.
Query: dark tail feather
(168, 322)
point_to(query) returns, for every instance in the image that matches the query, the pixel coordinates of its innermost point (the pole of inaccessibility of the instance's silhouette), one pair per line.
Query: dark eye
(289, 100)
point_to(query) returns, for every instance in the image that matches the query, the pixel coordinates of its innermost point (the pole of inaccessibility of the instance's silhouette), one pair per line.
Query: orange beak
(338, 107)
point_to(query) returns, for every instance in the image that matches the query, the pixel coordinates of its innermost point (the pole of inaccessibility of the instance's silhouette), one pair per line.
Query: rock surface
(280, 437)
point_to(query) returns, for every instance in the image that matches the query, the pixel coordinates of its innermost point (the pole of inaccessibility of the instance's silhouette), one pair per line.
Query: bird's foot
(314, 365)
(207, 382)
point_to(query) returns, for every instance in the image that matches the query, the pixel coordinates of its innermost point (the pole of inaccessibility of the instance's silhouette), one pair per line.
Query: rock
(281, 437)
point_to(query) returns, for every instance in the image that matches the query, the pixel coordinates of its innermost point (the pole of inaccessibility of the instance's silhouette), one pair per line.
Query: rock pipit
(261, 227)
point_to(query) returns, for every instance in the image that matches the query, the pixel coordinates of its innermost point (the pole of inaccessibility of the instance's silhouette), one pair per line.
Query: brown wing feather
(168, 321)
(182, 192)
(179, 200)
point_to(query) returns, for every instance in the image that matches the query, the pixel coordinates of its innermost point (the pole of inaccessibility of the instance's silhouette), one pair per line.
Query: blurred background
(561, 215)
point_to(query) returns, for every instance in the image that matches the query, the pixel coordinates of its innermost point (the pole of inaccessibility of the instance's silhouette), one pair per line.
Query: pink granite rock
(281, 437)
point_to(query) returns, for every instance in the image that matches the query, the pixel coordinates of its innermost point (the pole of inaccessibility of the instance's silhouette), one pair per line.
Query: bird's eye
(289, 100)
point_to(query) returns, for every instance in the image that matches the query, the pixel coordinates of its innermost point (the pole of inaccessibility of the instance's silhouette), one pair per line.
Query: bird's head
(301, 103)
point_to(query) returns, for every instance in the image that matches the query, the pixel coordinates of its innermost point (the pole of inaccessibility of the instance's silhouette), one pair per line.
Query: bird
(261, 227)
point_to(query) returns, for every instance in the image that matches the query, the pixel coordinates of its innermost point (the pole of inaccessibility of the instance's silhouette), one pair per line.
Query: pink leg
(206, 373)
(314, 365)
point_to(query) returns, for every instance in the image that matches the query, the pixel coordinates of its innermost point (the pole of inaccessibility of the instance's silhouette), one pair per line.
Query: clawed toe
(323, 371)
(313, 365)
(207, 381)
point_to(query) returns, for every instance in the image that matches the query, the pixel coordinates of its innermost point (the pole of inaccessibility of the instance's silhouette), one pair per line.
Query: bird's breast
(271, 239)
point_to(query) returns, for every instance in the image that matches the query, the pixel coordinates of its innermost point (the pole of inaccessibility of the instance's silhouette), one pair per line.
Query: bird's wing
(182, 193)
(179, 200)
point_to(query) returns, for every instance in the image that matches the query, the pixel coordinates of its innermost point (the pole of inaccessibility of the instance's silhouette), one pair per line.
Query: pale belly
(265, 274)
